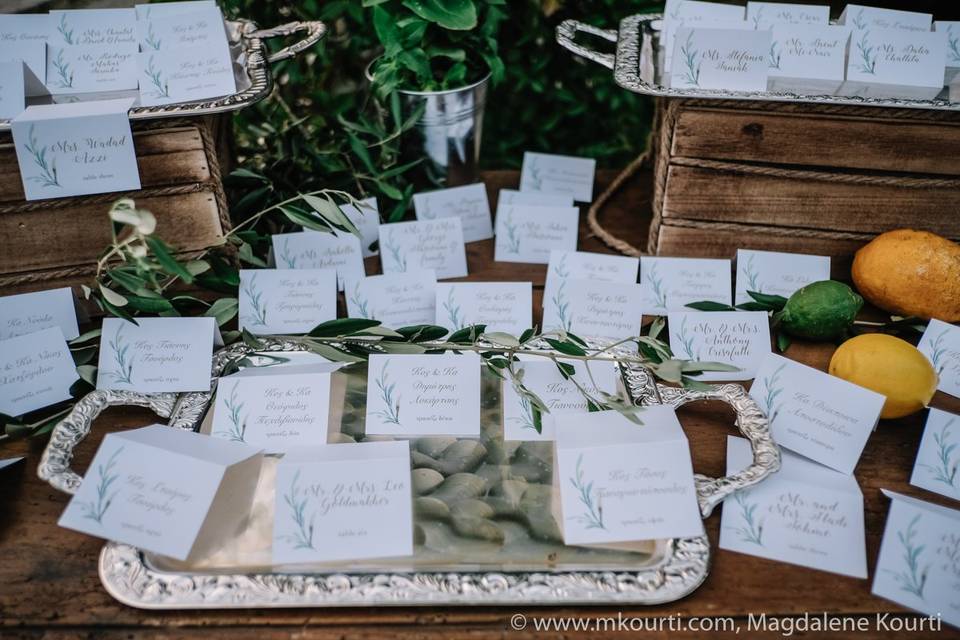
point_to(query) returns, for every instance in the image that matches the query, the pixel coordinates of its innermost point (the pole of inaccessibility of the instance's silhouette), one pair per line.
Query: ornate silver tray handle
(531, 565)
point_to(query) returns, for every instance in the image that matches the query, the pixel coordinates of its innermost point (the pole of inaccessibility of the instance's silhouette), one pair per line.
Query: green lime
(822, 310)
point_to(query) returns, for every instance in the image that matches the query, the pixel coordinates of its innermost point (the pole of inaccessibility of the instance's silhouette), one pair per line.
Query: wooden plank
(818, 140)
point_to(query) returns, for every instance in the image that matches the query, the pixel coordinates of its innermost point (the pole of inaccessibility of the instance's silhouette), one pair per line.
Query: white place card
(937, 467)
(606, 311)
(13, 80)
(569, 176)
(27, 34)
(692, 13)
(278, 413)
(90, 68)
(528, 233)
(278, 301)
(805, 514)
(808, 58)
(560, 395)
(184, 74)
(201, 27)
(421, 395)
(430, 244)
(111, 29)
(861, 17)
(36, 371)
(469, 203)
(534, 198)
(27, 54)
(582, 265)
(395, 299)
(739, 338)
(156, 354)
(76, 149)
(919, 562)
(730, 59)
(501, 306)
(776, 273)
(824, 418)
(670, 284)
(620, 482)
(764, 15)
(161, 9)
(9, 462)
(29, 312)
(941, 344)
(344, 502)
(366, 218)
(166, 490)
(951, 31)
(320, 250)
(895, 63)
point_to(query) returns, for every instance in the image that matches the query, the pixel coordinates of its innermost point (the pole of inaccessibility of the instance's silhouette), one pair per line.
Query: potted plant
(440, 56)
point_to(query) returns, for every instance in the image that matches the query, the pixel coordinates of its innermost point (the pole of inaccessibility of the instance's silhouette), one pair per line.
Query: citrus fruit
(820, 311)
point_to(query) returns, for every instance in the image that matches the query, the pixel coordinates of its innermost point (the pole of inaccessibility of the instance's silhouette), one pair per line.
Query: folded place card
(344, 502)
(36, 371)
(861, 17)
(605, 311)
(941, 344)
(320, 250)
(469, 203)
(366, 218)
(763, 15)
(919, 562)
(815, 414)
(670, 284)
(739, 338)
(692, 13)
(30, 312)
(728, 59)
(581, 265)
(430, 244)
(200, 27)
(156, 354)
(805, 514)
(395, 299)
(937, 467)
(559, 394)
(501, 306)
(421, 395)
(9, 462)
(777, 273)
(895, 63)
(160, 9)
(27, 35)
(622, 482)
(535, 198)
(569, 176)
(90, 68)
(278, 301)
(808, 58)
(184, 74)
(951, 31)
(528, 233)
(166, 490)
(111, 29)
(76, 149)
(12, 88)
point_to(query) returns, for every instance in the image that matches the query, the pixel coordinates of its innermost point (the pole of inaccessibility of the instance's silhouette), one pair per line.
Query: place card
(583, 265)
(670, 284)
(90, 68)
(692, 13)
(560, 395)
(824, 418)
(528, 233)
(279, 301)
(501, 306)
(278, 413)
(951, 31)
(161, 9)
(344, 502)
(777, 273)
(861, 17)
(320, 250)
(184, 75)
(895, 63)
(429, 244)
(423, 395)
(13, 82)
(36, 371)
(605, 311)
(808, 58)
(76, 149)
(919, 562)
(9, 462)
(156, 354)
(738, 338)
(805, 514)
(395, 299)
(110, 29)
(29, 312)
(941, 344)
(534, 198)
(166, 490)
(366, 218)
(937, 467)
(469, 203)
(729, 59)
(764, 15)
(26, 34)
(622, 482)
(569, 176)
(201, 27)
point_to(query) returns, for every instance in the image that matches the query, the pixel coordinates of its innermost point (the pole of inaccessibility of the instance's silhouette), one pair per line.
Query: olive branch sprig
(297, 501)
(48, 168)
(156, 79)
(361, 302)
(63, 70)
(64, 31)
(454, 311)
(95, 510)
(945, 470)
(151, 40)
(692, 73)
(912, 579)
(592, 517)
(257, 304)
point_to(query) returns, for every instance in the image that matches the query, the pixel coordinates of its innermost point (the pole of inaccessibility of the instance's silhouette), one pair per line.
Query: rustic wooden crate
(52, 243)
(801, 178)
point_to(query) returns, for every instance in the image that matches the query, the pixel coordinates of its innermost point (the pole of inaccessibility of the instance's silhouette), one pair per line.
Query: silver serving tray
(665, 571)
(251, 66)
(635, 67)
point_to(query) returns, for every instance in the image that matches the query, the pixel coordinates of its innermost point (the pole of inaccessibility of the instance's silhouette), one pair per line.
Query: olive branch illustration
(690, 56)
(285, 256)
(686, 340)
(757, 18)
(151, 40)
(395, 253)
(156, 79)
(753, 277)
(238, 421)
(868, 60)
(536, 178)
(121, 356)
(64, 31)
(912, 579)
(560, 269)
(526, 418)
(298, 502)
(391, 414)
(562, 306)
(772, 385)
(592, 517)
(361, 302)
(63, 70)
(258, 305)
(752, 531)
(858, 20)
(48, 168)
(656, 285)
(951, 551)
(953, 43)
(513, 237)
(95, 510)
(938, 351)
(774, 55)
(454, 311)
(946, 469)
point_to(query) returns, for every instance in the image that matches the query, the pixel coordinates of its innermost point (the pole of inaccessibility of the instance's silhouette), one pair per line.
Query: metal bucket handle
(567, 33)
(315, 29)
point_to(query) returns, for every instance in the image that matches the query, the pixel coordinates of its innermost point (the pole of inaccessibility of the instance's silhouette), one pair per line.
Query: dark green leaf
(342, 327)
(709, 305)
(167, 262)
(565, 347)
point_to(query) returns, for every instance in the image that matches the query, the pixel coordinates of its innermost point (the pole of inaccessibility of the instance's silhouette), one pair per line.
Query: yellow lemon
(890, 366)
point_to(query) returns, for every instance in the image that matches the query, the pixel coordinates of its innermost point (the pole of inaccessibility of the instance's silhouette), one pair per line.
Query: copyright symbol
(518, 622)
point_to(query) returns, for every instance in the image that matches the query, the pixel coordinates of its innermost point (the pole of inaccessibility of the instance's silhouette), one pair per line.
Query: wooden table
(49, 585)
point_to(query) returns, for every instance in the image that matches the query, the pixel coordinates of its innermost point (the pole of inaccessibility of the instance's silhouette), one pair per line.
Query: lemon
(889, 366)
